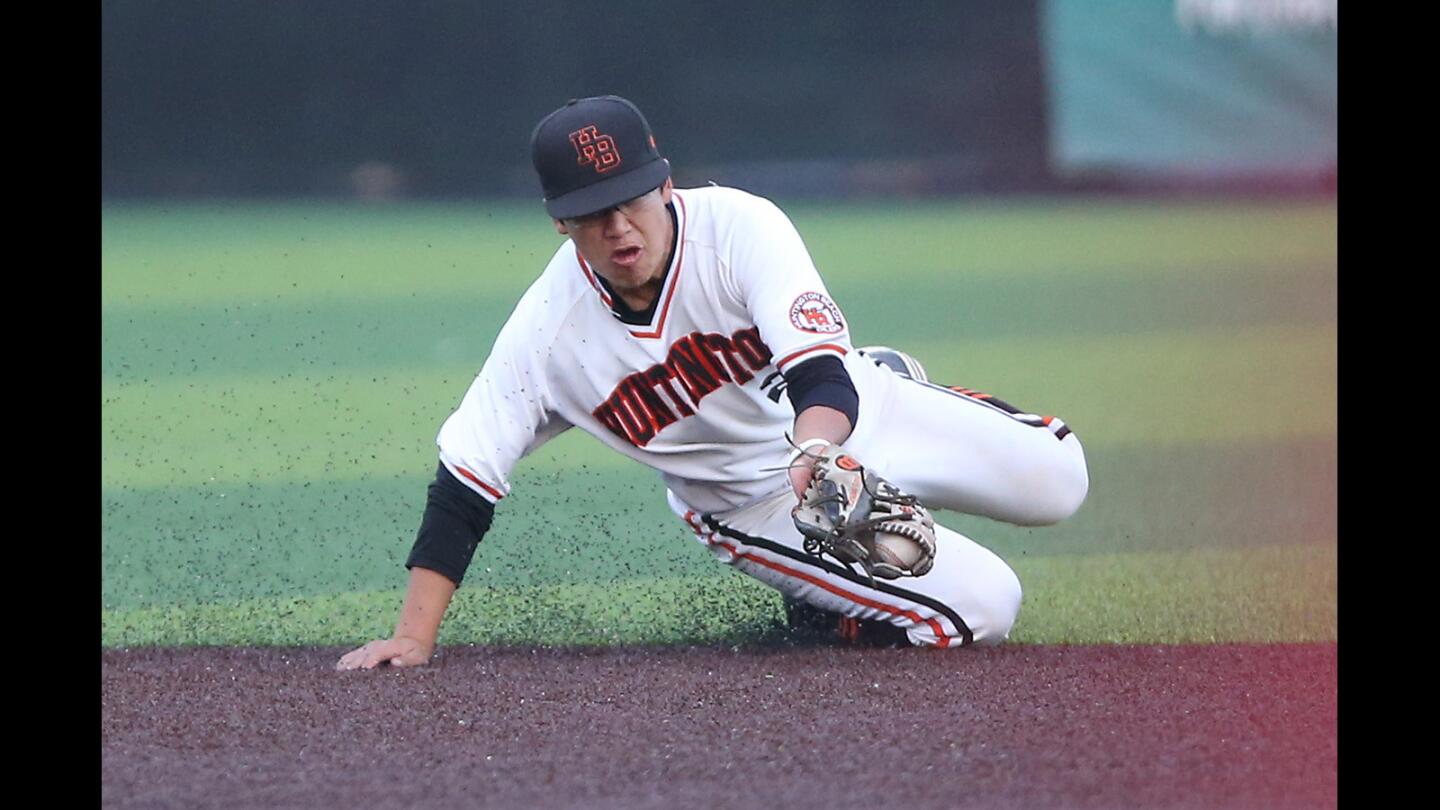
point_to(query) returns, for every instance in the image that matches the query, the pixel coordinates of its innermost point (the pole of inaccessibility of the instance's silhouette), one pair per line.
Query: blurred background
(315, 217)
(380, 99)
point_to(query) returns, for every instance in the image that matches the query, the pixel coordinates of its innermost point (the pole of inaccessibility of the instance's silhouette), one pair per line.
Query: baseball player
(689, 330)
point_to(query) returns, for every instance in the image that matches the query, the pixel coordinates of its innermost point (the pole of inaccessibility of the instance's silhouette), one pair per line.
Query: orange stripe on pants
(942, 640)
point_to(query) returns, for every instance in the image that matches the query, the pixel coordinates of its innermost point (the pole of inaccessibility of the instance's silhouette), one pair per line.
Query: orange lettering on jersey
(725, 347)
(606, 416)
(706, 355)
(640, 390)
(659, 377)
(755, 352)
(636, 428)
(694, 374)
(637, 409)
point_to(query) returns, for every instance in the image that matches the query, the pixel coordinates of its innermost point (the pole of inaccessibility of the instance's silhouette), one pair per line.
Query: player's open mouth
(626, 257)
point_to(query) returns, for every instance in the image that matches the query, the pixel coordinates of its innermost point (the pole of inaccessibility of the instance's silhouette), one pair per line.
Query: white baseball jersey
(696, 393)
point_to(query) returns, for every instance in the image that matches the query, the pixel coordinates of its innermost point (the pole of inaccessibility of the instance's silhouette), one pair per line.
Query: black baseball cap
(594, 153)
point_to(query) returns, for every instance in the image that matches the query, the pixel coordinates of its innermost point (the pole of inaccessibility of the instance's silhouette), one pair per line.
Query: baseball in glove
(855, 516)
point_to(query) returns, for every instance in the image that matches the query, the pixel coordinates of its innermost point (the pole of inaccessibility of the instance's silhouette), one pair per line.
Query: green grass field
(273, 377)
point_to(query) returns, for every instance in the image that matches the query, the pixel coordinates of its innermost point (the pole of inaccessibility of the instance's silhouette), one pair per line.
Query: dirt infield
(1015, 726)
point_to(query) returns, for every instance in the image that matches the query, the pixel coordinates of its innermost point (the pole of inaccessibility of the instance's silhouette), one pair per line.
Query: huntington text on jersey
(646, 402)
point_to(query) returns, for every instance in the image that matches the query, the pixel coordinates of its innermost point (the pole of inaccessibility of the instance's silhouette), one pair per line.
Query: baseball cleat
(895, 360)
(807, 622)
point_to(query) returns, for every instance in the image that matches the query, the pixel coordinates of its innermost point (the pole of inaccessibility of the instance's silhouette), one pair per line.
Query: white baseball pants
(954, 449)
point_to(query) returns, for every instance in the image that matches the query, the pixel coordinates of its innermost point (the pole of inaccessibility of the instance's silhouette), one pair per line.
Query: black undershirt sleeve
(822, 381)
(455, 519)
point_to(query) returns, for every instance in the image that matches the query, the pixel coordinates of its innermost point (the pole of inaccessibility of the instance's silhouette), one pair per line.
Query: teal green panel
(1131, 87)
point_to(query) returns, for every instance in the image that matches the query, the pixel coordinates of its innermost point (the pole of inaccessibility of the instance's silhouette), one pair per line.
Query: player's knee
(1057, 489)
(988, 607)
(1066, 495)
(999, 609)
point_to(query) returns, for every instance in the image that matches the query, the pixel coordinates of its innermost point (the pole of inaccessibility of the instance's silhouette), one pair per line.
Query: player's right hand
(397, 652)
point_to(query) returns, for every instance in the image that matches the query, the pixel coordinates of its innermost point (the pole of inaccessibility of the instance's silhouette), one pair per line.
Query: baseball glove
(856, 516)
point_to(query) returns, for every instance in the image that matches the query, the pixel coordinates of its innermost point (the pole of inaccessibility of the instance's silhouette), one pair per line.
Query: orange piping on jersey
(788, 358)
(498, 495)
(585, 268)
(970, 392)
(674, 282)
(942, 640)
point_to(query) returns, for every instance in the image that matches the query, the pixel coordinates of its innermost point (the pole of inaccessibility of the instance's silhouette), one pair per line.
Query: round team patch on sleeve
(814, 312)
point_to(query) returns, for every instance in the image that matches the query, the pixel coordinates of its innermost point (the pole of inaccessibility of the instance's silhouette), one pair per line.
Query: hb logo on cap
(595, 153)
(595, 147)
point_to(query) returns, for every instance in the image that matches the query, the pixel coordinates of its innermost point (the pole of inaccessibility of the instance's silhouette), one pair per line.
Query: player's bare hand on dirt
(397, 652)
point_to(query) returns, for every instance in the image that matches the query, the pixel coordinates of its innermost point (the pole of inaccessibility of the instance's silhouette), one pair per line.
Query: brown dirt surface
(1212, 726)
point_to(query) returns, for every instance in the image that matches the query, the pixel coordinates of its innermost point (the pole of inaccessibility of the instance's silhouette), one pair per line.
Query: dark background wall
(382, 98)
(438, 99)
